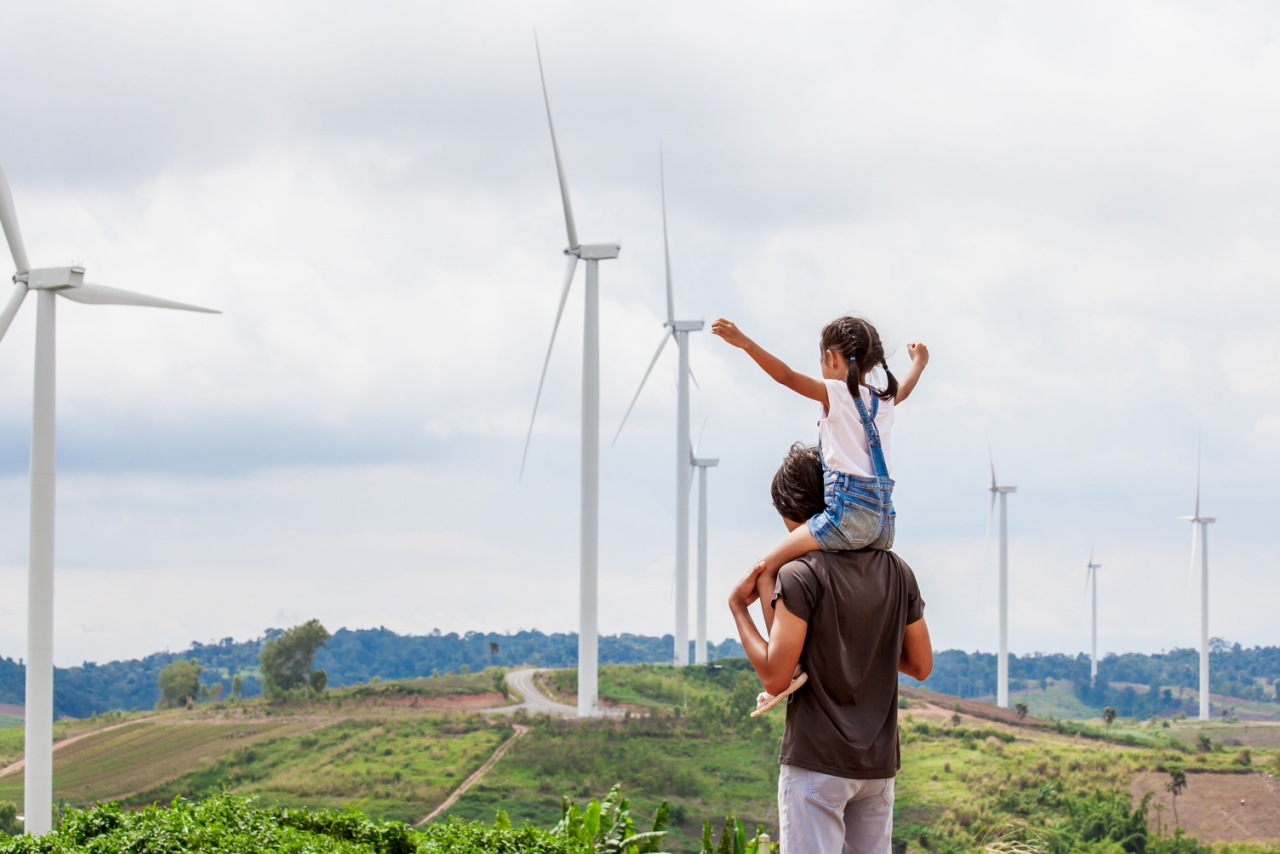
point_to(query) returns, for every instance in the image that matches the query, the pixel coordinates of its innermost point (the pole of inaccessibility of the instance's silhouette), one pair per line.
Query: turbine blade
(1197, 477)
(986, 538)
(695, 379)
(666, 250)
(555, 148)
(9, 220)
(701, 430)
(564, 295)
(666, 336)
(992, 457)
(11, 308)
(103, 295)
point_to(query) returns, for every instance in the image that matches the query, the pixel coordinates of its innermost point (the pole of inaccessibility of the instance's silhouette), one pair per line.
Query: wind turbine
(589, 536)
(49, 283)
(679, 330)
(1091, 577)
(1200, 550)
(1002, 663)
(700, 643)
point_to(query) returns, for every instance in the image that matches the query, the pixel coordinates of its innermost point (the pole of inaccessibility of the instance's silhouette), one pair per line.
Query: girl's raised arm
(814, 389)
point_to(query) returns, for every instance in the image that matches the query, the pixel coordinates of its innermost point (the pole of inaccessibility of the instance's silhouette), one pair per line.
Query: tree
(285, 661)
(237, 686)
(494, 649)
(1021, 708)
(1109, 716)
(179, 684)
(955, 715)
(319, 680)
(1177, 783)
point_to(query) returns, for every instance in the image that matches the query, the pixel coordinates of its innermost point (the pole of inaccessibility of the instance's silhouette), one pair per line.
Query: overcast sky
(1073, 204)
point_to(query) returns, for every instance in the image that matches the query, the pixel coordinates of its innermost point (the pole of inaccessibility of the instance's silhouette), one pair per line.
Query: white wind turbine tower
(700, 642)
(1002, 663)
(589, 551)
(49, 283)
(679, 330)
(1091, 578)
(1200, 551)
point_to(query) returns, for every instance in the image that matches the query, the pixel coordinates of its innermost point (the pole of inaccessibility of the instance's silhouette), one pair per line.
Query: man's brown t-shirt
(844, 721)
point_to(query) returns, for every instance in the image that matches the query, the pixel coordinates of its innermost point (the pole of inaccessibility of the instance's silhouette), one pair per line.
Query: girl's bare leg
(795, 544)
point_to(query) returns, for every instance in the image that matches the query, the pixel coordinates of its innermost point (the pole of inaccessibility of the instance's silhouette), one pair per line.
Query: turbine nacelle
(685, 325)
(706, 463)
(595, 251)
(52, 278)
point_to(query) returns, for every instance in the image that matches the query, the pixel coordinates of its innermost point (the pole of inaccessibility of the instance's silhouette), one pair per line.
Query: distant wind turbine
(1002, 663)
(1091, 578)
(700, 644)
(679, 330)
(589, 544)
(1200, 551)
(49, 283)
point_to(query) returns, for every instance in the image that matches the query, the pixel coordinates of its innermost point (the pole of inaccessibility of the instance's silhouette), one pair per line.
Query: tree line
(349, 657)
(1236, 671)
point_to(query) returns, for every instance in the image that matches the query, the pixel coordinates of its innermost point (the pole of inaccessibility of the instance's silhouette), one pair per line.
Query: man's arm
(774, 659)
(917, 651)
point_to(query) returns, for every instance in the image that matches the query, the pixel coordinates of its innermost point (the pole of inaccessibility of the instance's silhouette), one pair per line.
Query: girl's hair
(857, 341)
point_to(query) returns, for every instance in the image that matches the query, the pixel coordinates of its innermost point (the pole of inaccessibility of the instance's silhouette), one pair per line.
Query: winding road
(535, 702)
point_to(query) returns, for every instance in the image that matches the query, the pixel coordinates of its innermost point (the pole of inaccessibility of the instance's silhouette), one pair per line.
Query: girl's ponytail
(891, 382)
(853, 379)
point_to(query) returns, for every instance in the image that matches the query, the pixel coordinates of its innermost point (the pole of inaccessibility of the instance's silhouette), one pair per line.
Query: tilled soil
(1216, 807)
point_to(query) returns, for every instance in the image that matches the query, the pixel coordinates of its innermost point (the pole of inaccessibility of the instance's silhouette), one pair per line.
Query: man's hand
(745, 592)
(918, 352)
(729, 331)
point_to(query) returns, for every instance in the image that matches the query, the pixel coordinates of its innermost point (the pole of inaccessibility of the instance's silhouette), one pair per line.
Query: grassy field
(395, 749)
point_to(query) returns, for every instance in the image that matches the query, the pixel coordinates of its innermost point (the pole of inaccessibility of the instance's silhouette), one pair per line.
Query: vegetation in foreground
(226, 823)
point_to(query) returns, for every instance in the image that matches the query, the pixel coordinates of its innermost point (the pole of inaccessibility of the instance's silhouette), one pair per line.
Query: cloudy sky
(1073, 204)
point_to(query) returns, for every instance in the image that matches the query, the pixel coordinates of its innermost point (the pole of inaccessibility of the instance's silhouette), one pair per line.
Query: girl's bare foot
(766, 701)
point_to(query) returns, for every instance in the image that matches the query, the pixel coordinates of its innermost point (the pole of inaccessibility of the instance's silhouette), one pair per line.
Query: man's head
(797, 488)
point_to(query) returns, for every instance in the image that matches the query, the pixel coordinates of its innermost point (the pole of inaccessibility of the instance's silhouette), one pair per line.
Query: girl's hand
(729, 331)
(917, 352)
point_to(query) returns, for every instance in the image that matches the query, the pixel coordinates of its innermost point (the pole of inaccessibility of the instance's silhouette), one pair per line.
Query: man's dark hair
(797, 488)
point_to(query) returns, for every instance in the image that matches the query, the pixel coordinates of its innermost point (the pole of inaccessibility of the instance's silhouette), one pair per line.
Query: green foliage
(500, 681)
(9, 824)
(179, 684)
(319, 680)
(286, 660)
(608, 828)
(220, 824)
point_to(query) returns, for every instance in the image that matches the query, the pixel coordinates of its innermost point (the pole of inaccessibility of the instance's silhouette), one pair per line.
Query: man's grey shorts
(822, 814)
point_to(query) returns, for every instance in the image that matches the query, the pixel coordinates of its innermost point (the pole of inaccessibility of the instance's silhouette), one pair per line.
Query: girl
(853, 438)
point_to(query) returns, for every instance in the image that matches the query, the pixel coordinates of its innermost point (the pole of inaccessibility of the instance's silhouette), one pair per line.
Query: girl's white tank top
(844, 441)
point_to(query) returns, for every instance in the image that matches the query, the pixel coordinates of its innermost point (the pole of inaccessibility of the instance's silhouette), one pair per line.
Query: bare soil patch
(1217, 807)
(973, 708)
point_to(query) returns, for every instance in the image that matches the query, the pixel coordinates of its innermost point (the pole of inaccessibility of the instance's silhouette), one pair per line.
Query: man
(853, 620)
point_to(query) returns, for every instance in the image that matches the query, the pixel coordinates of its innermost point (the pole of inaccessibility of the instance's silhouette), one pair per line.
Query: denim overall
(859, 512)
